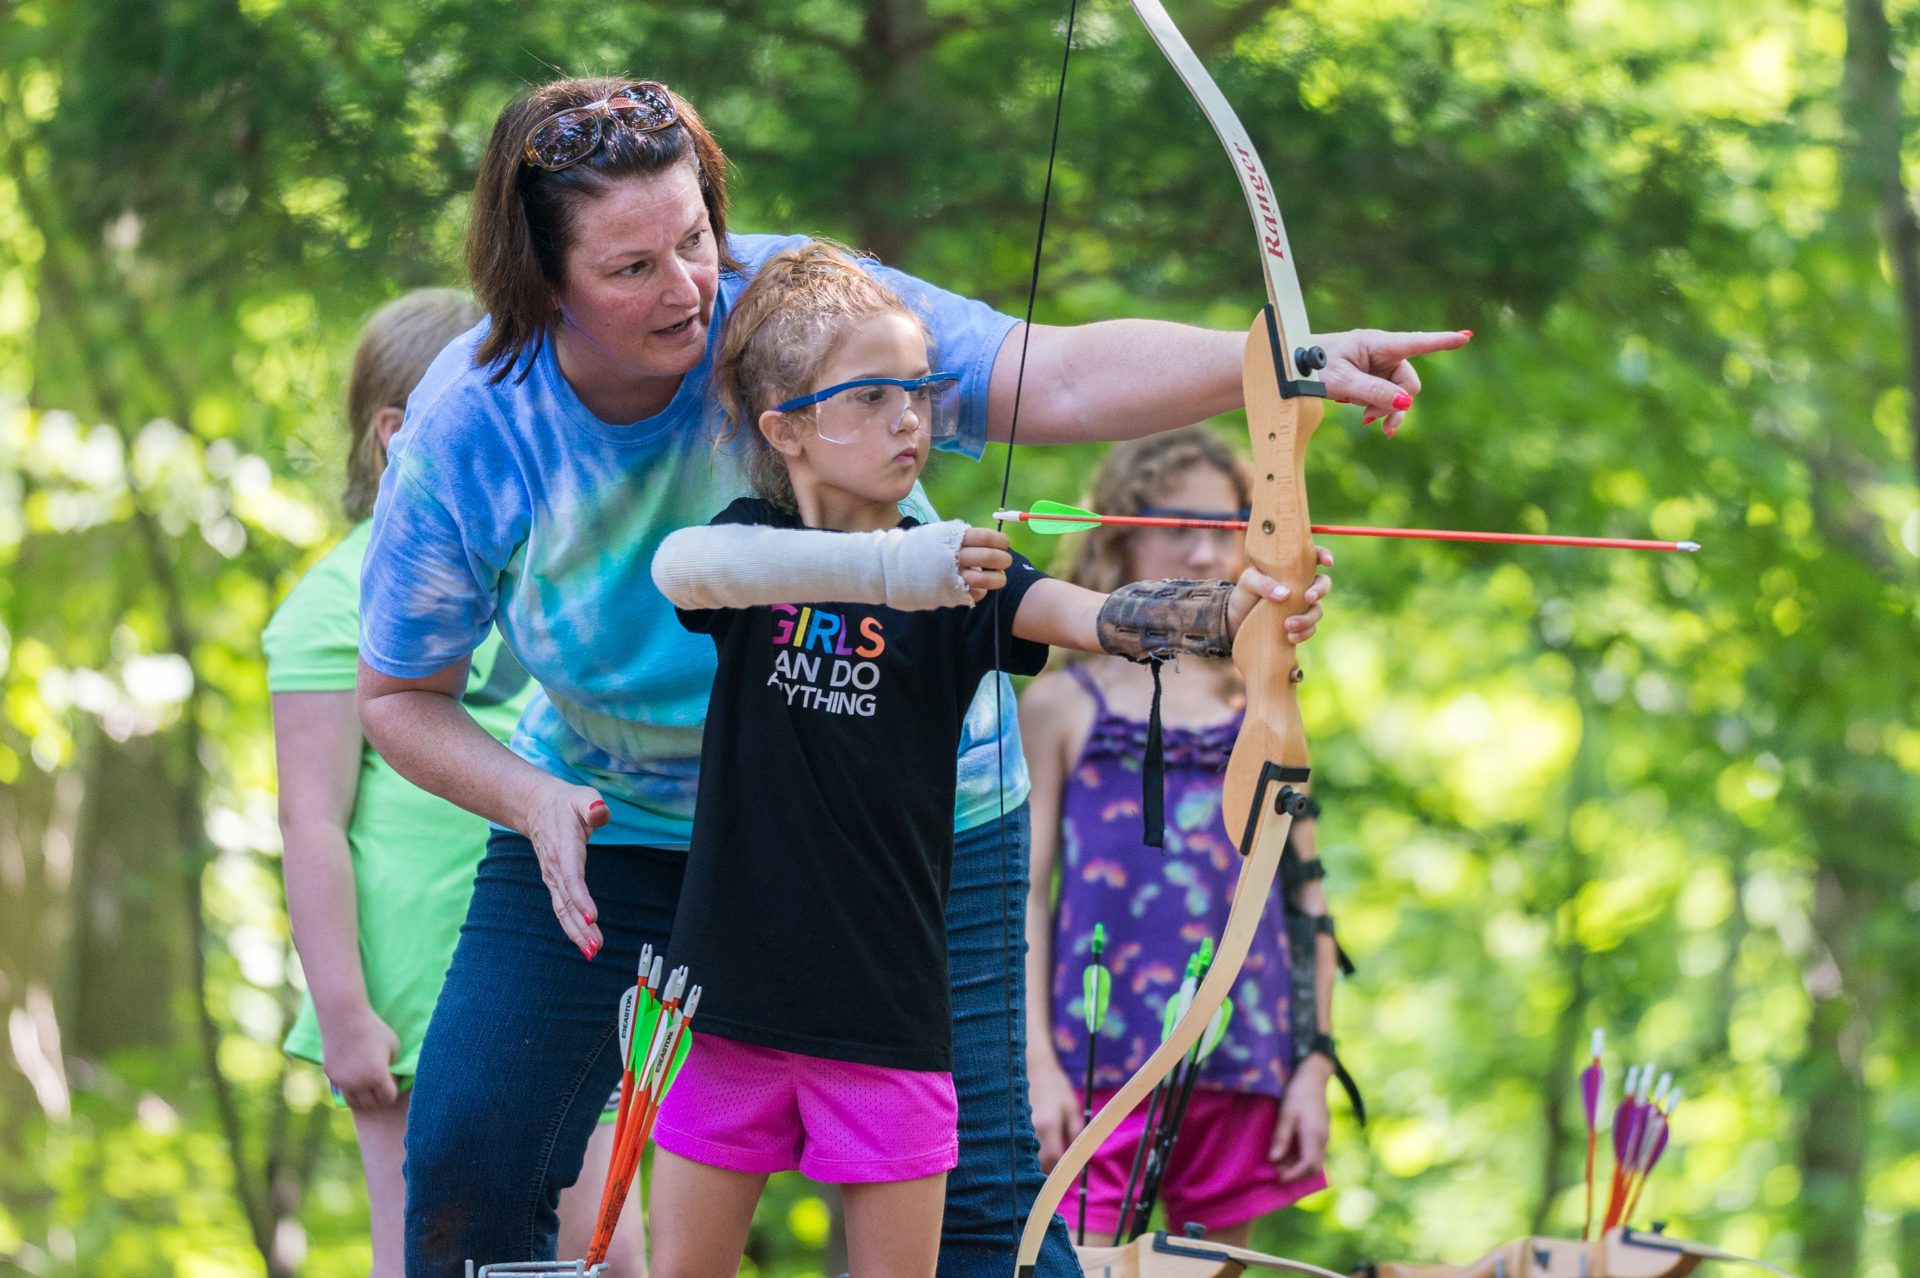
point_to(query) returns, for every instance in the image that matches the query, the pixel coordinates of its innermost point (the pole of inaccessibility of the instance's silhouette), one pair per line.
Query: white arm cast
(743, 566)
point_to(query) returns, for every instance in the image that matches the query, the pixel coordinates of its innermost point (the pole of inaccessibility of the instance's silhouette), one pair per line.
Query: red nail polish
(589, 919)
(597, 804)
(1341, 399)
(1402, 402)
(1466, 332)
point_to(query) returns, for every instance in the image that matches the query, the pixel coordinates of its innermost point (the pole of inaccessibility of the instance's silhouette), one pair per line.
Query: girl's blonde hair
(395, 348)
(802, 304)
(1136, 475)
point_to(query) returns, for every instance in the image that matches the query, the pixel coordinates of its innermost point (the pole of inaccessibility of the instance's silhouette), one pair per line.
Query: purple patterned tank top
(1158, 907)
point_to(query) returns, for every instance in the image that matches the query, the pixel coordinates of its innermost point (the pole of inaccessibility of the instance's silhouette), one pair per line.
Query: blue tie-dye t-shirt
(510, 503)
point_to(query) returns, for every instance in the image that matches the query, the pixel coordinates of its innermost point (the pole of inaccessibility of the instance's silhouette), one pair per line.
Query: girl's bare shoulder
(1056, 706)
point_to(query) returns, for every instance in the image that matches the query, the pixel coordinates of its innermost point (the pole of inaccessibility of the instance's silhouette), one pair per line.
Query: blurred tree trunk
(127, 938)
(144, 802)
(1876, 125)
(36, 840)
(1559, 1094)
(1858, 809)
(891, 56)
(1833, 1138)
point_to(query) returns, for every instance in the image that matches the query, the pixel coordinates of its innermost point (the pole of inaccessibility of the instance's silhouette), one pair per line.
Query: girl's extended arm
(1063, 615)
(1054, 720)
(317, 744)
(420, 727)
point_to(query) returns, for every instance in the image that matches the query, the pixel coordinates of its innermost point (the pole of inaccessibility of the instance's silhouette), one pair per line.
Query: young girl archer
(1254, 1137)
(849, 648)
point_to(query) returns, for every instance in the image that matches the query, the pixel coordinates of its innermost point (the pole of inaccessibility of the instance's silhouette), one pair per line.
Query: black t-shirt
(814, 909)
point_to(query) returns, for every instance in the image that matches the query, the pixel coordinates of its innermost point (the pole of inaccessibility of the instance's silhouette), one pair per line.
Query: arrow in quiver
(1618, 1253)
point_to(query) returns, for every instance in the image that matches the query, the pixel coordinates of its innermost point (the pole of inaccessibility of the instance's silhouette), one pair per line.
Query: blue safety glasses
(853, 411)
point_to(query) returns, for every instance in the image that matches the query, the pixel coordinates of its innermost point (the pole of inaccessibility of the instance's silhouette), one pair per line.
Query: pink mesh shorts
(1219, 1175)
(754, 1109)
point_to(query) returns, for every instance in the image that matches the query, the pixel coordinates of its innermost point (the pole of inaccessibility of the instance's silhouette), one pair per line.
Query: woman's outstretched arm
(1122, 379)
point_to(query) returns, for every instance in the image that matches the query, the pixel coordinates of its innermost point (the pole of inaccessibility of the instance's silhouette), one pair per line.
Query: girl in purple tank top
(1254, 1136)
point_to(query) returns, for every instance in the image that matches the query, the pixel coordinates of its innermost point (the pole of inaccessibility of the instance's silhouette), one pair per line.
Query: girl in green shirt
(378, 872)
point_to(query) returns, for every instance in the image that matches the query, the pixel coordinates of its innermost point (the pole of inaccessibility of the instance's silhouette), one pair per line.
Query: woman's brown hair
(783, 329)
(525, 217)
(396, 345)
(1136, 475)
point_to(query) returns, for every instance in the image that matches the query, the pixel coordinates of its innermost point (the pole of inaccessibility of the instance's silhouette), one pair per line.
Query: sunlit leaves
(1561, 787)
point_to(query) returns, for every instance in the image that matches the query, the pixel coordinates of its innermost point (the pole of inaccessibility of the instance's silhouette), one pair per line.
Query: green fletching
(1216, 1029)
(1206, 955)
(643, 1033)
(679, 1059)
(1096, 983)
(1096, 989)
(1079, 520)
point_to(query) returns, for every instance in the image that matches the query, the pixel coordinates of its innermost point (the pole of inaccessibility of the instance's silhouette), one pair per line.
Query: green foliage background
(1676, 797)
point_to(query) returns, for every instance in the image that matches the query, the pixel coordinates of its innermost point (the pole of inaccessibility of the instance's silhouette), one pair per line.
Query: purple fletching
(1623, 1118)
(1590, 1078)
(1637, 1132)
(1666, 1129)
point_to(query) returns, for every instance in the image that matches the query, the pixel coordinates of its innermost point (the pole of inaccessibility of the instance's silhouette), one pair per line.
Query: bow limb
(1249, 899)
(1297, 365)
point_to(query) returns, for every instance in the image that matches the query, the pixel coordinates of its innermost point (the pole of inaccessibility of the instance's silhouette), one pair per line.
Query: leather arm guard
(1156, 620)
(1303, 961)
(1153, 622)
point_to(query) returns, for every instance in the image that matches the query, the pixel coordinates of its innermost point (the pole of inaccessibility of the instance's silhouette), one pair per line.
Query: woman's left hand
(1255, 585)
(1299, 1146)
(1371, 367)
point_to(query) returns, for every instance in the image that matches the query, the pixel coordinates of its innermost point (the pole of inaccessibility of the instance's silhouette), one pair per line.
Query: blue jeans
(987, 1200)
(521, 1054)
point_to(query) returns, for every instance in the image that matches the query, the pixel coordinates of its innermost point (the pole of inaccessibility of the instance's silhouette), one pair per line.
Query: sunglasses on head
(569, 136)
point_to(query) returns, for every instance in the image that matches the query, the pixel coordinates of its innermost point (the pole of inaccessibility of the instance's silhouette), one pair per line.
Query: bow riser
(1280, 544)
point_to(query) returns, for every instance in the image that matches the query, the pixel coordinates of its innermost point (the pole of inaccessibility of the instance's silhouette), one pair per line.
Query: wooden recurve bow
(1266, 782)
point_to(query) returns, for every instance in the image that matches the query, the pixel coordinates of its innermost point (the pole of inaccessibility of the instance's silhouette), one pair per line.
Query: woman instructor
(545, 455)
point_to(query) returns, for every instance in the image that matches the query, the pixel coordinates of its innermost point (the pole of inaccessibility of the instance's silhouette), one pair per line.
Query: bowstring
(1013, 896)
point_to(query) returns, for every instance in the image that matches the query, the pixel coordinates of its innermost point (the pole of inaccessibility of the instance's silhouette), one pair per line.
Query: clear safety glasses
(868, 407)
